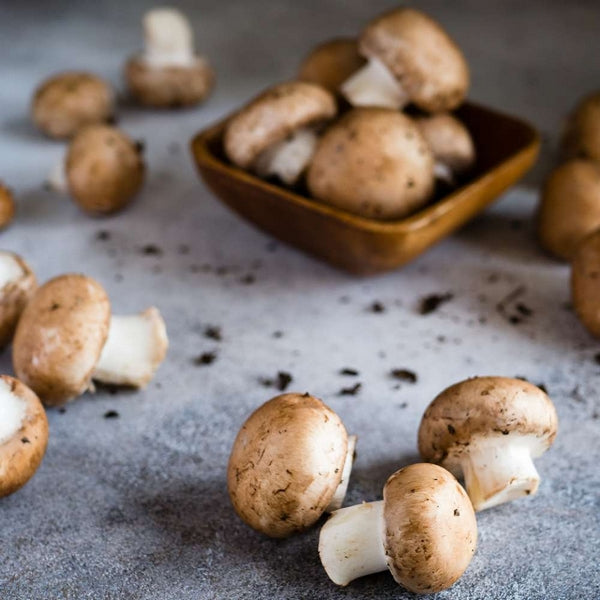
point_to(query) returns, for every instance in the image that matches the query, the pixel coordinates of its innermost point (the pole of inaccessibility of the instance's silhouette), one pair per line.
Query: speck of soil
(404, 375)
(277, 334)
(206, 358)
(281, 381)
(597, 358)
(377, 307)
(151, 250)
(103, 235)
(212, 332)
(351, 391)
(511, 310)
(403, 405)
(62, 410)
(349, 372)
(248, 279)
(432, 302)
(111, 414)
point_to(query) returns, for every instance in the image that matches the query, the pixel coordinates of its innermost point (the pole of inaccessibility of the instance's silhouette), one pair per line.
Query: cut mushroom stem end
(57, 177)
(340, 492)
(168, 39)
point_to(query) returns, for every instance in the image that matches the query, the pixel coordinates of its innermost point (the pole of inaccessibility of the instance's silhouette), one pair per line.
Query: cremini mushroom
(290, 462)
(277, 132)
(23, 434)
(581, 138)
(411, 60)
(7, 206)
(66, 337)
(104, 169)
(329, 64)
(66, 102)
(168, 73)
(585, 282)
(569, 207)
(490, 429)
(17, 286)
(373, 162)
(424, 531)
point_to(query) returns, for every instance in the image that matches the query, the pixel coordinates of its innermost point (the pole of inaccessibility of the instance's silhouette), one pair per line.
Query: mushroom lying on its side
(585, 283)
(276, 133)
(66, 337)
(168, 74)
(489, 429)
(424, 531)
(290, 462)
(23, 434)
(582, 133)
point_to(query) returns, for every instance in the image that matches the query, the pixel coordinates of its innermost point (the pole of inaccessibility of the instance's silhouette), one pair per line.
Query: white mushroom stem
(375, 85)
(443, 172)
(340, 492)
(12, 412)
(10, 269)
(168, 39)
(498, 470)
(288, 159)
(57, 178)
(135, 347)
(351, 542)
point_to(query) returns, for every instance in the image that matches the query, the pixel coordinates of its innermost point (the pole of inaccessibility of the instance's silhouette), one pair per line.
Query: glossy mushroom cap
(570, 207)
(60, 336)
(66, 102)
(421, 55)
(329, 64)
(430, 531)
(23, 434)
(585, 282)
(273, 116)
(286, 464)
(582, 134)
(7, 206)
(373, 162)
(104, 168)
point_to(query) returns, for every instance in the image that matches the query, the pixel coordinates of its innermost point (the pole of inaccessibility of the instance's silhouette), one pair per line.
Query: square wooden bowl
(506, 149)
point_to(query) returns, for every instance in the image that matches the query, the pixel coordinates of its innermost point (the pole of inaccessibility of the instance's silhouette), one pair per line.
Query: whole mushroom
(66, 102)
(66, 338)
(411, 60)
(276, 133)
(581, 138)
(168, 73)
(7, 206)
(23, 434)
(585, 282)
(290, 463)
(373, 162)
(424, 531)
(489, 429)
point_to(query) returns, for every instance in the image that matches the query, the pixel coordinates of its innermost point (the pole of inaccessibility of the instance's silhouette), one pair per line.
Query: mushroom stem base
(497, 471)
(351, 542)
(340, 492)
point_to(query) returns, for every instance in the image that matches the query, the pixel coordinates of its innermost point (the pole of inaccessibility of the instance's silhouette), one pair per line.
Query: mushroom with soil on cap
(66, 102)
(424, 531)
(168, 73)
(7, 206)
(411, 60)
(585, 282)
(66, 338)
(23, 434)
(581, 138)
(17, 286)
(290, 463)
(490, 429)
(276, 133)
(569, 209)
(373, 162)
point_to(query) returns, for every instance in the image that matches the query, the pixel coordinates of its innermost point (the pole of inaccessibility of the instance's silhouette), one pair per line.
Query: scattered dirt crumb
(111, 414)
(151, 250)
(280, 382)
(377, 307)
(351, 391)
(404, 375)
(103, 235)
(213, 332)
(206, 358)
(277, 334)
(349, 372)
(248, 279)
(432, 302)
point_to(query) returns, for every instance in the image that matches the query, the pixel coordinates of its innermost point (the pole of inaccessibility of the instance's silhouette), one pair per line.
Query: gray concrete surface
(136, 507)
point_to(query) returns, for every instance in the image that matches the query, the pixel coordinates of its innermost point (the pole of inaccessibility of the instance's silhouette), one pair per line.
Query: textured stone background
(136, 507)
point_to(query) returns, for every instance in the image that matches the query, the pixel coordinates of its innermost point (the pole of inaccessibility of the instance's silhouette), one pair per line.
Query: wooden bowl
(506, 149)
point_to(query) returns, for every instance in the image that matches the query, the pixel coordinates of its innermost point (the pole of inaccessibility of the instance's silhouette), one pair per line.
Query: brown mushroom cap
(22, 453)
(430, 528)
(483, 407)
(582, 134)
(329, 64)
(104, 168)
(286, 464)
(14, 296)
(60, 336)
(421, 55)
(570, 207)
(585, 282)
(274, 115)
(7, 206)
(373, 162)
(169, 87)
(66, 102)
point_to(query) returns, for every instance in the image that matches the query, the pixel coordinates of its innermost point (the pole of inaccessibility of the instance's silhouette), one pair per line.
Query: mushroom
(290, 463)
(570, 207)
(23, 434)
(104, 169)
(411, 59)
(66, 337)
(7, 206)
(451, 144)
(585, 282)
(331, 63)
(168, 73)
(276, 133)
(424, 531)
(582, 134)
(17, 286)
(373, 162)
(489, 429)
(66, 102)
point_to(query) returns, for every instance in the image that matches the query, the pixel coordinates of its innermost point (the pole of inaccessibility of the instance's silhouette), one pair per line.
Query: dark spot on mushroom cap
(451, 430)
(456, 512)
(25, 440)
